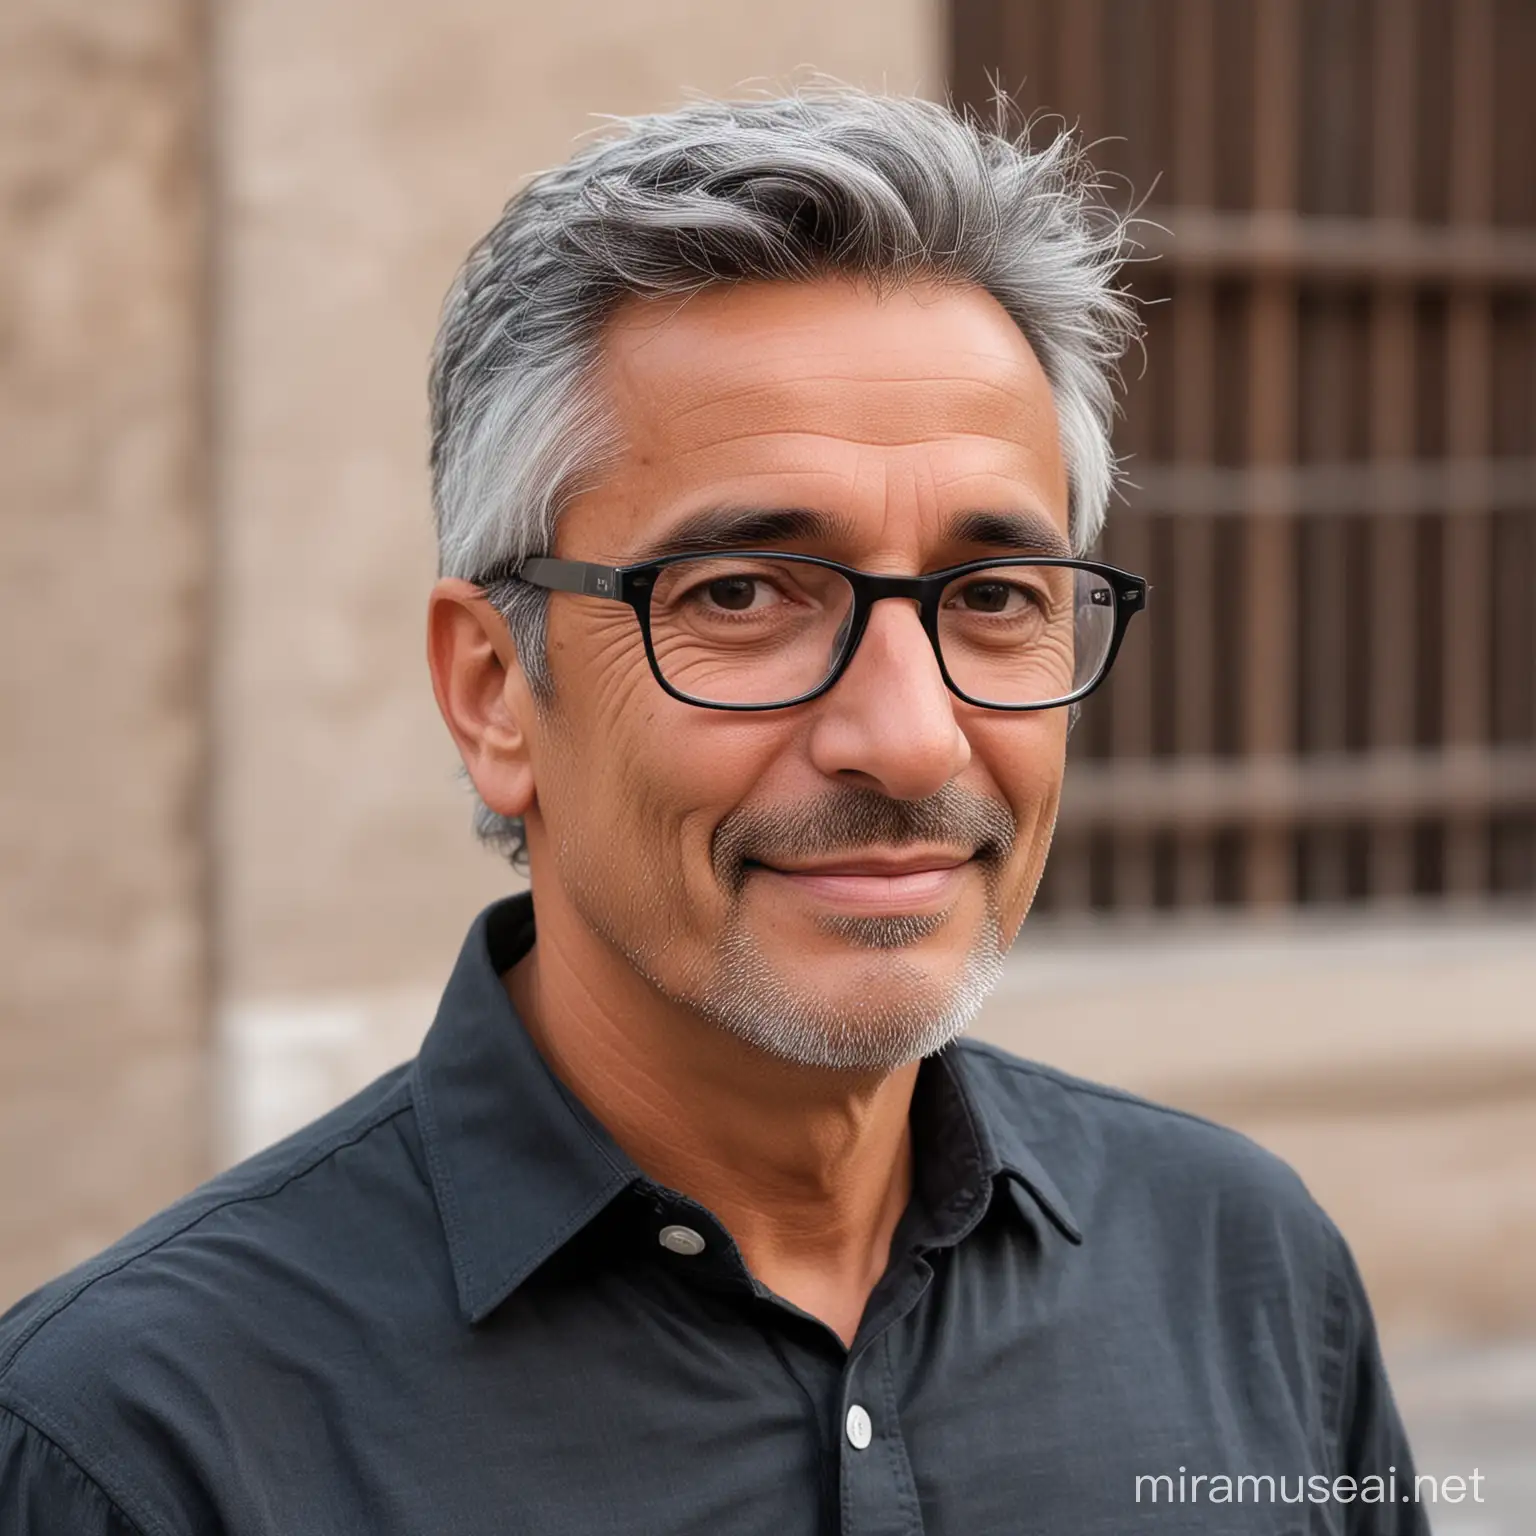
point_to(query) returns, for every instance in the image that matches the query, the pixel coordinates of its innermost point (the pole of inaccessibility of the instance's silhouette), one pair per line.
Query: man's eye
(992, 596)
(735, 594)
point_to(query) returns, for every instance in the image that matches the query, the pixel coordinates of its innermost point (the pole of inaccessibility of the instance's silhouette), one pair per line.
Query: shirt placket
(877, 1492)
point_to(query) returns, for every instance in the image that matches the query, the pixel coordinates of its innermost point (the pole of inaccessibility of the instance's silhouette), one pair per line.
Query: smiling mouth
(873, 884)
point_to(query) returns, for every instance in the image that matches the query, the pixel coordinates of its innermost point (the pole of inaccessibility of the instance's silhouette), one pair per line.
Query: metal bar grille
(1332, 447)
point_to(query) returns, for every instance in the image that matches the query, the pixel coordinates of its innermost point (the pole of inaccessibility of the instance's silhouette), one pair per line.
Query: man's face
(834, 882)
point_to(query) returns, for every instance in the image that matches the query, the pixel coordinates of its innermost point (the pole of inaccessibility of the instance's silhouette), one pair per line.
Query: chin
(867, 999)
(871, 1022)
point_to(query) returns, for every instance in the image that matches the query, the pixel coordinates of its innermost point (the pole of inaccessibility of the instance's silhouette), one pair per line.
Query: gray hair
(826, 181)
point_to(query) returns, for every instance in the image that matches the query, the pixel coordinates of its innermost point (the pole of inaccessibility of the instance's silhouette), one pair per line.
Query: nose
(889, 722)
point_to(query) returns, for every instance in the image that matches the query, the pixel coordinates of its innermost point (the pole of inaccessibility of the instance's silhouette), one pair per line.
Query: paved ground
(1475, 1408)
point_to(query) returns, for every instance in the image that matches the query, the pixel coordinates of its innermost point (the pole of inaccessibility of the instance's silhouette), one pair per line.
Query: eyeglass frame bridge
(634, 584)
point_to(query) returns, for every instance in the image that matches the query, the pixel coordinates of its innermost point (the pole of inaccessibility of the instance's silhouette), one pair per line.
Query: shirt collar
(1003, 1145)
(519, 1165)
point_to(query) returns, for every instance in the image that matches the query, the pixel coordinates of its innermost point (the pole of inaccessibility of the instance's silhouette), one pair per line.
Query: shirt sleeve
(44, 1492)
(1372, 1441)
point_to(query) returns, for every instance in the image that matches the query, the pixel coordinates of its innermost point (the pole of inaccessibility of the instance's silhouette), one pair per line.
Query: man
(767, 443)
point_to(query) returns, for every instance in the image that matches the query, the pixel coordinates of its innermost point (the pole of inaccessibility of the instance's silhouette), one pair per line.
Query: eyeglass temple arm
(570, 576)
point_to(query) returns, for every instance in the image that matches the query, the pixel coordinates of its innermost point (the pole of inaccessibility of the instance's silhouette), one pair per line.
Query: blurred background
(1295, 880)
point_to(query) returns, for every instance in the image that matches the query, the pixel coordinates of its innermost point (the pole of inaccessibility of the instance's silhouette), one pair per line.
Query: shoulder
(1120, 1159)
(139, 1334)
(1195, 1231)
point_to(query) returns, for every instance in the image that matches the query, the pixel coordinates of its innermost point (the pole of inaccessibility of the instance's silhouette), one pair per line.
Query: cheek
(683, 770)
(623, 756)
(602, 685)
(1025, 757)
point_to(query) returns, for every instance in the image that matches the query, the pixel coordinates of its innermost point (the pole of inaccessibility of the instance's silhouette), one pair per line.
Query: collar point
(1033, 1201)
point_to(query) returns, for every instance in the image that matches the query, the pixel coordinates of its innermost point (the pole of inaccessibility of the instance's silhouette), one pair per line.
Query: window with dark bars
(1332, 442)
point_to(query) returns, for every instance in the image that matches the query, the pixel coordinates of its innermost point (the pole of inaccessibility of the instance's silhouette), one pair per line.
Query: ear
(482, 694)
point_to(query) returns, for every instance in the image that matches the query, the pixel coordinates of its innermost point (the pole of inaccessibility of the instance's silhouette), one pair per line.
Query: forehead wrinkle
(886, 412)
(1003, 461)
(794, 390)
(926, 440)
(811, 435)
(1028, 489)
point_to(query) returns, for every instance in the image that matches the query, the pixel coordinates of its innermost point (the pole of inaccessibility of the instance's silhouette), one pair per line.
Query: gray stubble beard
(737, 989)
(752, 1000)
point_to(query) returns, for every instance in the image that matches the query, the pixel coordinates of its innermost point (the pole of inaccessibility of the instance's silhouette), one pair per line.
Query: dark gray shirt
(454, 1306)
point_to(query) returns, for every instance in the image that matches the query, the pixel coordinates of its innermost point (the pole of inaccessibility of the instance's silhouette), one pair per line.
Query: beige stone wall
(102, 651)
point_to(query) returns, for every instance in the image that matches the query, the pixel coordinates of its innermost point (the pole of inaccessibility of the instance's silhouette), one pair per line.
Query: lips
(875, 885)
(892, 866)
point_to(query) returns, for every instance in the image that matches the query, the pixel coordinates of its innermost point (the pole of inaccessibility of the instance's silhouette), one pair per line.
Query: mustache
(850, 819)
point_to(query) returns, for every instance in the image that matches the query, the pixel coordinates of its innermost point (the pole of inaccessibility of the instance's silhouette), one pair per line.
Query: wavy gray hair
(827, 181)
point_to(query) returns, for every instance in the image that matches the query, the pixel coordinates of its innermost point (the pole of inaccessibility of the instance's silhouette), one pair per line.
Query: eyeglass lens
(727, 629)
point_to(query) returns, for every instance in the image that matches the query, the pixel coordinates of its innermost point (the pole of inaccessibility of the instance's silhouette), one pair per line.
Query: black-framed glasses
(760, 629)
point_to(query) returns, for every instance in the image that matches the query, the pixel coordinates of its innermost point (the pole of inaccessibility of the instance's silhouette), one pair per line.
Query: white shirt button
(681, 1240)
(860, 1430)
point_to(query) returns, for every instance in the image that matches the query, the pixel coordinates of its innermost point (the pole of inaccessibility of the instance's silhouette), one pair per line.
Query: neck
(809, 1170)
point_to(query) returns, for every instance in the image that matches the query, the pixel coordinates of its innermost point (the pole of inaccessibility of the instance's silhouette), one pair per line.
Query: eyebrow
(727, 528)
(1025, 532)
